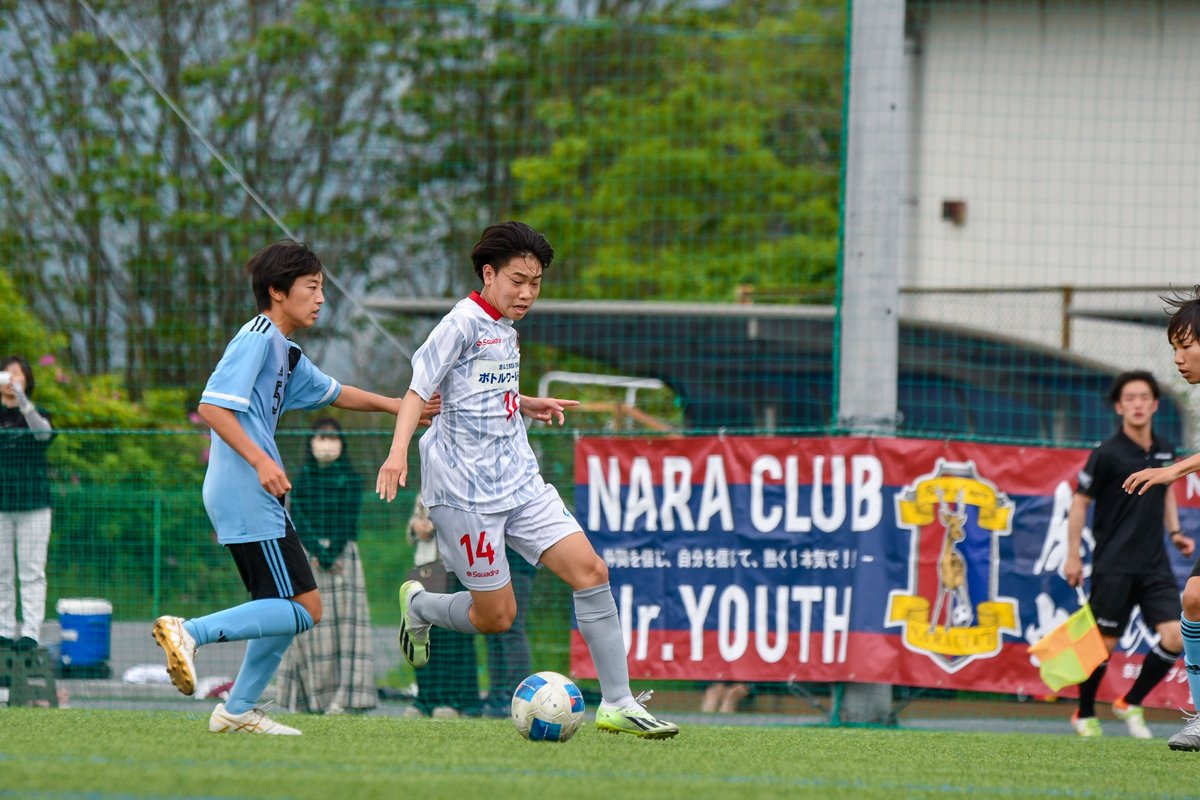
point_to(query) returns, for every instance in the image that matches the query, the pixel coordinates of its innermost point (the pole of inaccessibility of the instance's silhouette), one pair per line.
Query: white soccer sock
(596, 613)
(451, 611)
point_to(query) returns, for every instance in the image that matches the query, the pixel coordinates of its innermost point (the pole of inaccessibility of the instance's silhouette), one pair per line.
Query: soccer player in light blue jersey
(482, 483)
(1183, 332)
(262, 374)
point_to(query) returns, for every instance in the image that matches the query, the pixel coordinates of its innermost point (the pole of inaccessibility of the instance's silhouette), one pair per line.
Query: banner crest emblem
(951, 611)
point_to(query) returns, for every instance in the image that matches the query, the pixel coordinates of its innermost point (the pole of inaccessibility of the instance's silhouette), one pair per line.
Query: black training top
(24, 473)
(1128, 527)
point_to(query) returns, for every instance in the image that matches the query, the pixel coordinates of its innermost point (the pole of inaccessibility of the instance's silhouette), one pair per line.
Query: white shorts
(472, 544)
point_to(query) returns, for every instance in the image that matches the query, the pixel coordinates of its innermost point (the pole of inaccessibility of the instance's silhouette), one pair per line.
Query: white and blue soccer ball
(547, 707)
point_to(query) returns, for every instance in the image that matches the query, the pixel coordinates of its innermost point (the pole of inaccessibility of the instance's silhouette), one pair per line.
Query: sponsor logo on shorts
(489, 574)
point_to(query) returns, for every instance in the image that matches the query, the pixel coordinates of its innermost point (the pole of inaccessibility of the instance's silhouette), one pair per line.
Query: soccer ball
(547, 707)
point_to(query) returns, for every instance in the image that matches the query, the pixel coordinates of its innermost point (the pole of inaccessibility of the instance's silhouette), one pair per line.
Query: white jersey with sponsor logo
(475, 456)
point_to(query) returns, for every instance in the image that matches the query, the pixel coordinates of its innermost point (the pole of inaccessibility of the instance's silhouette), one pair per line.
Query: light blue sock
(253, 620)
(1191, 656)
(258, 667)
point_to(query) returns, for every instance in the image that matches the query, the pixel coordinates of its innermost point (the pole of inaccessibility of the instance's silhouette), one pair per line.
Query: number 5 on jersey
(480, 549)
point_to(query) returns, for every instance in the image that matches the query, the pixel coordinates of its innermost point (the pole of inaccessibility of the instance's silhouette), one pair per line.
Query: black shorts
(275, 567)
(1114, 596)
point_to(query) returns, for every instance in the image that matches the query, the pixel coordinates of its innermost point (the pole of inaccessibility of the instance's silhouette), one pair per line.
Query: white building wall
(1071, 130)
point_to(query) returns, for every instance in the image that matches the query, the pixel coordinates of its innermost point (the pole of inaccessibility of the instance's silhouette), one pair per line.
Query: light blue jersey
(261, 375)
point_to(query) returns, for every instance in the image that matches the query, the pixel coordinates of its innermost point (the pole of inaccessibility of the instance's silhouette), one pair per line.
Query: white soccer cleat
(1188, 738)
(1087, 727)
(1134, 718)
(253, 721)
(633, 718)
(180, 648)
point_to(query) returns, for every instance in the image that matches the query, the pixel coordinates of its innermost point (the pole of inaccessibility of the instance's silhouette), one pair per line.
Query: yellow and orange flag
(1072, 651)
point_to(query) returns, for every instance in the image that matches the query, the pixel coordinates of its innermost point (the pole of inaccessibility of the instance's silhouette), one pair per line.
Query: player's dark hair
(1184, 308)
(277, 266)
(24, 365)
(1114, 394)
(501, 243)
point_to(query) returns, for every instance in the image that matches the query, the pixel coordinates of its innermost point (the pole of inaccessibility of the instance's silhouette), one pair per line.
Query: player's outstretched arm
(546, 409)
(1140, 481)
(354, 399)
(225, 424)
(394, 472)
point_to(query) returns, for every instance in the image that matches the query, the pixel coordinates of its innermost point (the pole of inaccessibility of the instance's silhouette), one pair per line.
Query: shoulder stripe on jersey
(332, 386)
(233, 398)
(261, 324)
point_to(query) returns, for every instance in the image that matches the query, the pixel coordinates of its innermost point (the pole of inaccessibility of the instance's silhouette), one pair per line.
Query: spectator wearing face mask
(330, 669)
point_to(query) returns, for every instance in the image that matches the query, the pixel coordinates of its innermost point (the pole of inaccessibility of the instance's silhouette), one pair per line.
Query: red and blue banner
(915, 562)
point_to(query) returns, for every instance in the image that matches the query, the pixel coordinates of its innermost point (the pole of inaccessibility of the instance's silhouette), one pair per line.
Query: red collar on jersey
(485, 305)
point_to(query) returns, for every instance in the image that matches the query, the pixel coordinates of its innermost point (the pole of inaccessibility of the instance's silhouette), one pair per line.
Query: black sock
(1087, 691)
(1155, 666)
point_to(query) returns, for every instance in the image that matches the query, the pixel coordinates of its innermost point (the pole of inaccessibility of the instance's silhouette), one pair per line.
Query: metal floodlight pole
(873, 241)
(873, 248)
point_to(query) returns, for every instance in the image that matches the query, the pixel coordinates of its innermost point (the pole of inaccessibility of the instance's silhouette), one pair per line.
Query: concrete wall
(1072, 133)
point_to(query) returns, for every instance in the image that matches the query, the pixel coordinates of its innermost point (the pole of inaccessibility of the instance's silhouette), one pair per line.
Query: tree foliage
(129, 233)
(720, 172)
(99, 403)
(669, 149)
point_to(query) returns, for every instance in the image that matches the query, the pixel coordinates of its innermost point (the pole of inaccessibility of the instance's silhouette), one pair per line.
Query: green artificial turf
(128, 754)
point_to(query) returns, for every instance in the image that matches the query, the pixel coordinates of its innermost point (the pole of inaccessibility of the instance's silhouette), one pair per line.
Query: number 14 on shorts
(477, 548)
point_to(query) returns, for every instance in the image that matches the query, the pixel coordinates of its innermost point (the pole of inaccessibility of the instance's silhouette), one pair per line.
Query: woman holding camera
(25, 433)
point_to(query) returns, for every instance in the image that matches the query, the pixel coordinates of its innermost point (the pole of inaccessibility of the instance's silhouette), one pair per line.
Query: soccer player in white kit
(481, 482)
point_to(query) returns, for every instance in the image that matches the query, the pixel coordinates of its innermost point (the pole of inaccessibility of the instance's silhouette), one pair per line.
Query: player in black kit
(1129, 564)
